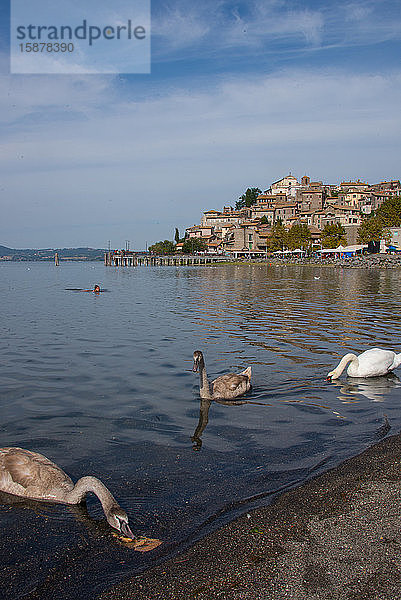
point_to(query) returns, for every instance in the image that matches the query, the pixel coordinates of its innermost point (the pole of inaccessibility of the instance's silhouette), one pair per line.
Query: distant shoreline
(367, 261)
(51, 260)
(48, 254)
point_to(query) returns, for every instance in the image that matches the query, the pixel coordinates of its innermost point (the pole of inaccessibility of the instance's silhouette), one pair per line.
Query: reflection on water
(101, 384)
(205, 404)
(203, 421)
(384, 429)
(372, 388)
(45, 509)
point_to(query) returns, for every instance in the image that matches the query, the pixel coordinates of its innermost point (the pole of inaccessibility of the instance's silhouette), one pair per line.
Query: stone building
(245, 240)
(288, 185)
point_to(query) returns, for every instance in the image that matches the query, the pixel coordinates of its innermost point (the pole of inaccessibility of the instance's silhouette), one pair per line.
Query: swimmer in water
(95, 290)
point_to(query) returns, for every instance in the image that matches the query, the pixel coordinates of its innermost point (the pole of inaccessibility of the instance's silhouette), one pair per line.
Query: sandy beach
(336, 537)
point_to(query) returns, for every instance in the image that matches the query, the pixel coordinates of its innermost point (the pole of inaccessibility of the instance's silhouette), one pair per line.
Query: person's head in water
(96, 289)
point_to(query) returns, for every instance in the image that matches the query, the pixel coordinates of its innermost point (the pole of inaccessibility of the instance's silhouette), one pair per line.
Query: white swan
(32, 475)
(371, 363)
(227, 386)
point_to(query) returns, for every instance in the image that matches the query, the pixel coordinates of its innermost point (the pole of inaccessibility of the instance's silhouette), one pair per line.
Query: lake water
(102, 385)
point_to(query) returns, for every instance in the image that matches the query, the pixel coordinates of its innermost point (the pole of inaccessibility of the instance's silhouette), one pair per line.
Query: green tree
(333, 236)
(279, 237)
(389, 212)
(299, 236)
(177, 235)
(166, 247)
(375, 228)
(371, 230)
(247, 199)
(192, 245)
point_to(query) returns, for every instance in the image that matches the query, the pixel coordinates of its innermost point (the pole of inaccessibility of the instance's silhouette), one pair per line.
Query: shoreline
(335, 537)
(367, 261)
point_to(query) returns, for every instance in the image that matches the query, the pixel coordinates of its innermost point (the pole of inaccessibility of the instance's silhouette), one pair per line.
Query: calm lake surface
(102, 385)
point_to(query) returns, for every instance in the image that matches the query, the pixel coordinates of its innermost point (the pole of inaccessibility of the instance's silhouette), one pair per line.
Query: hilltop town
(248, 230)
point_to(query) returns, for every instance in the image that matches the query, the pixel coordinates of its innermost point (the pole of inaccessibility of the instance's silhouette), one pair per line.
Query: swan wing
(373, 363)
(230, 385)
(32, 475)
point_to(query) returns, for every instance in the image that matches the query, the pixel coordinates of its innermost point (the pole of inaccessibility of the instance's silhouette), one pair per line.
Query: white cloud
(22, 96)
(218, 26)
(365, 23)
(358, 11)
(115, 166)
(204, 30)
(182, 26)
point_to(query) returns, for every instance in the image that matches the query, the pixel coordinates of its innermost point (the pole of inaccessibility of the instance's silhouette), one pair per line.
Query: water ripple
(104, 386)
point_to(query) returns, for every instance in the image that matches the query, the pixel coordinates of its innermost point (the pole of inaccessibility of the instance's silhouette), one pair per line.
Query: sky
(239, 95)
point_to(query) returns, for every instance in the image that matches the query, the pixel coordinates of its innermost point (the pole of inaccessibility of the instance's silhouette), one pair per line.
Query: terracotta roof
(286, 205)
(356, 183)
(198, 227)
(226, 224)
(342, 207)
(248, 223)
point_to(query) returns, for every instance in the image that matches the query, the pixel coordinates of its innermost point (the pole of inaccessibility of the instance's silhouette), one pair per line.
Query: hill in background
(48, 253)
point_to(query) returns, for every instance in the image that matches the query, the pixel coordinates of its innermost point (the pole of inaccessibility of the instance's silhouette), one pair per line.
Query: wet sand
(336, 537)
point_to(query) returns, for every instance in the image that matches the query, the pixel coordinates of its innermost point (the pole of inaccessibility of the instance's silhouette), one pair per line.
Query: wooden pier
(131, 259)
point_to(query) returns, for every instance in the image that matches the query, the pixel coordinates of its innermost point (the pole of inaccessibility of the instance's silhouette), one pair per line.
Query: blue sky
(240, 93)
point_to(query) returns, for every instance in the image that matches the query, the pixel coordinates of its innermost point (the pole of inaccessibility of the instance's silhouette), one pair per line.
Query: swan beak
(195, 367)
(126, 531)
(328, 378)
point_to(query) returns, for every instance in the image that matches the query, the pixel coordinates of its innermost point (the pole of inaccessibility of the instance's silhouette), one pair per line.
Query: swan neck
(92, 484)
(344, 362)
(204, 387)
(397, 360)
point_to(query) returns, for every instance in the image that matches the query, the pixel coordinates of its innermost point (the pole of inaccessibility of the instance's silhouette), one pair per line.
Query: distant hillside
(48, 253)
(4, 251)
